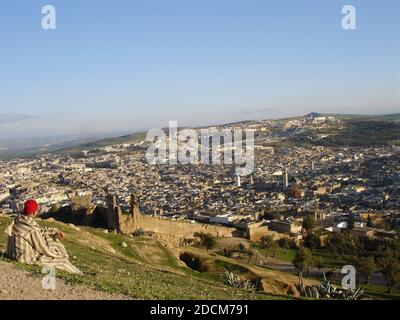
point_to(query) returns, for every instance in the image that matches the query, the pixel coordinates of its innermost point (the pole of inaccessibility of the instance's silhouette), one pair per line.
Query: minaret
(238, 183)
(251, 180)
(285, 179)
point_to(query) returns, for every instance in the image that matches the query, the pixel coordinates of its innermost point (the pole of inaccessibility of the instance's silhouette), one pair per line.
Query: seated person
(29, 243)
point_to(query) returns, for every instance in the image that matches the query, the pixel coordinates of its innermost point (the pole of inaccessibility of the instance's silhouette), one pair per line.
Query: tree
(351, 222)
(272, 216)
(366, 266)
(242, 248)
(390, 268)
(341, 244)
(302, 261)
(251, 253)
(284, 243)
(267, 242)
(273, 247)
(370, 224)
(308, 223)
(207, 240)
(319, 263)
(312, 241)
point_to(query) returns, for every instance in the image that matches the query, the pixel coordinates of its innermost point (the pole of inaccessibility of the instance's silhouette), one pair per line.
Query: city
(174, 153)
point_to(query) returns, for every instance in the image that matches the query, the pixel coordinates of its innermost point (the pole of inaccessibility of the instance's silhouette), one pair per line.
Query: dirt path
(17, 284)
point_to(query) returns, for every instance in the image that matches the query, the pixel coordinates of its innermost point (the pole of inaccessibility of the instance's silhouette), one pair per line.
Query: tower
(251, 180)
(285, 179)
(113, 212)
(134, 204)
(238, 182)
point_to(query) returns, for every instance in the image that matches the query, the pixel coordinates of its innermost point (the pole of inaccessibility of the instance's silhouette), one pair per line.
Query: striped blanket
(31, 244)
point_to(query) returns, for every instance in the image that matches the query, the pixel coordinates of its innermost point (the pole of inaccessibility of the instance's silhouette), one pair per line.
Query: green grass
(328, 260)
(236, 268)
(380, 292)
(129, 272)
(280, 253)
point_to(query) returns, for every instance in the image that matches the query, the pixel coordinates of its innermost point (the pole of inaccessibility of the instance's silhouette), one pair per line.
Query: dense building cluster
(288, 182)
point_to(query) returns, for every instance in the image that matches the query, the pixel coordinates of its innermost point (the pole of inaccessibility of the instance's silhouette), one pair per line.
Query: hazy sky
(119, 65)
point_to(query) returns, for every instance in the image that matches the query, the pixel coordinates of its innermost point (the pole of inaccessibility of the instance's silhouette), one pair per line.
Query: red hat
(30, 207)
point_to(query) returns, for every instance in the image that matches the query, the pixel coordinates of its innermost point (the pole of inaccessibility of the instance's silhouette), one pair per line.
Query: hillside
(10, 150)
(131, 138)
(148, 268)
(353, 119)
(385, 117)
(365, 133)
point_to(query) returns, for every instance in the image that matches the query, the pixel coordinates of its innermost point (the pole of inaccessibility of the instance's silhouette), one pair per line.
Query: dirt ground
(17, 284)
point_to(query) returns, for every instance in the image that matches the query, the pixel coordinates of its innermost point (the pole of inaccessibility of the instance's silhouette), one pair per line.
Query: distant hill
(13, 117)
(30, 147)
(386, 117)
(130, 138)
(365, 132)
(66, 146)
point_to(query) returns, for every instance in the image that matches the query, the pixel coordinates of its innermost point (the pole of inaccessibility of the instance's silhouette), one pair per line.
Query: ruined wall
(256, 231)
(129, 222)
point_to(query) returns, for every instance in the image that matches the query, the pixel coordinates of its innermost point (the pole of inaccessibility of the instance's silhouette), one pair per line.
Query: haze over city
(134, 65)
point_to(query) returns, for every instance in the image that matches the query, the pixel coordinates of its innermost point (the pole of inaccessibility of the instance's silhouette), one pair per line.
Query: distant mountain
(13, 117)
(130, 138)
(312, 115)
(387, 117)
(29, 147)
(14, 148)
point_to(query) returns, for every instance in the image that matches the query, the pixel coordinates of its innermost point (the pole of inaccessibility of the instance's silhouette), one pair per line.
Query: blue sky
(132, 65)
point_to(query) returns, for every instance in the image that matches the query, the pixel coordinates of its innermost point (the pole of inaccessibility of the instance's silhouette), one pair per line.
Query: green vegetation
(267, 242)
(236, 268)
(366, 266)
(390, 266)
(380, 292)
(207, 240)
(302, 261)
(308, 223)
(312, 241)
(387, 117)
(279, 253)
(364, 133)
(145, 269)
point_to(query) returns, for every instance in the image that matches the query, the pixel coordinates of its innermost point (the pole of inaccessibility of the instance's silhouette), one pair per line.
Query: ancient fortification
(129, 222)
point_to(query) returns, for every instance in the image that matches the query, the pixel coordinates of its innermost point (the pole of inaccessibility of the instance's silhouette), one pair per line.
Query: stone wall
(256, 231)
(129, 222)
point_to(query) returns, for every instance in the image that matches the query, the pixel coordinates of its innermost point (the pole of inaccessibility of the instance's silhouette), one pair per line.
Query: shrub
(233, 280)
